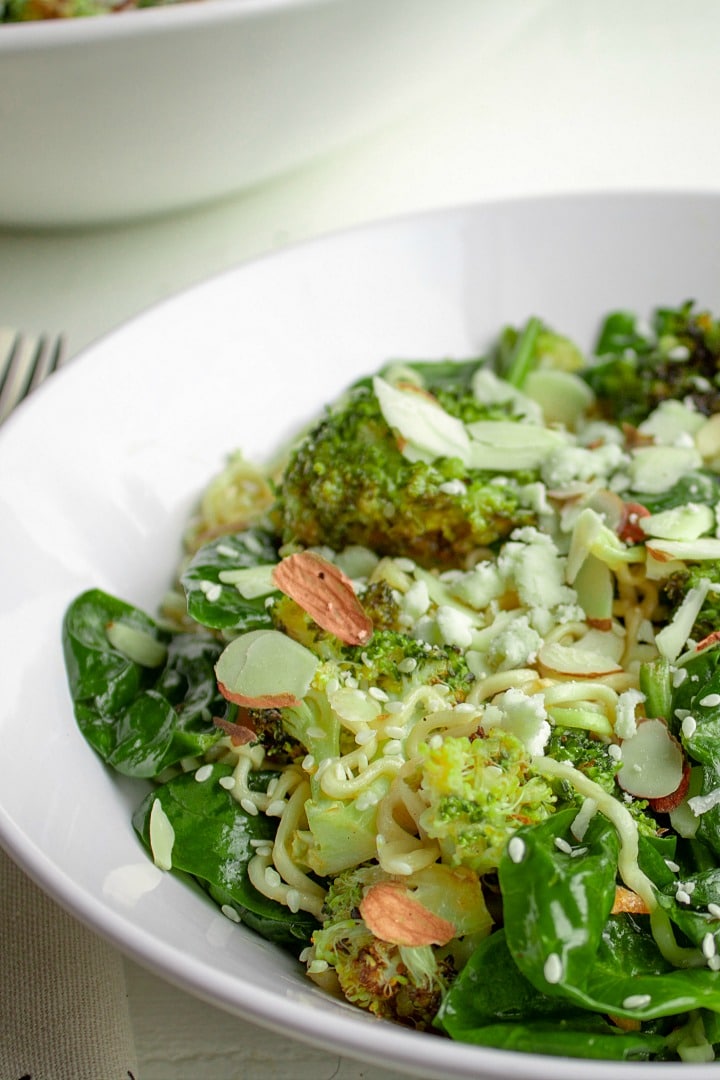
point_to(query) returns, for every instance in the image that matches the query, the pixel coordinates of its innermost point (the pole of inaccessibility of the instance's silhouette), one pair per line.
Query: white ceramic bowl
(116, 116)
(99, 468)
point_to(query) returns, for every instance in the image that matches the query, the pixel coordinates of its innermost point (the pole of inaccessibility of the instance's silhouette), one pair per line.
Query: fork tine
(27, 364)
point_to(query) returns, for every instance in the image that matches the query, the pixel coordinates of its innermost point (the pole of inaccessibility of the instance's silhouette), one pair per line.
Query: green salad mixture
(434, 702)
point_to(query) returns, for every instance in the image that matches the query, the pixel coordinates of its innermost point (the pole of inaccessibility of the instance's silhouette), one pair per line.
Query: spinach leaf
(213, 844)
(219, 604)
(556, 903)
(139, 719)
(687, 905)
(507, 1012)
(631, 978)
(698, 695)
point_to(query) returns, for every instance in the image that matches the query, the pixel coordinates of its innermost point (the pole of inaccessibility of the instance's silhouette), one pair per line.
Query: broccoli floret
(585, 752)
(400, 983)
(479, 791)
(678, 358)
(396, 663)
(348, 482)
(675, 587)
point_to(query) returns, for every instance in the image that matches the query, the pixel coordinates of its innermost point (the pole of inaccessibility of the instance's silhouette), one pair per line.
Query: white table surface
(619, 95)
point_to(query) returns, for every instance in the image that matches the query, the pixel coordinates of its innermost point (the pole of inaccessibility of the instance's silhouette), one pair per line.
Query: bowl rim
(184, 16)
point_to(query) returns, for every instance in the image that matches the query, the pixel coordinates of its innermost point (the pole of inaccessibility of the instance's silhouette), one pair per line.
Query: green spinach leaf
(219, 604)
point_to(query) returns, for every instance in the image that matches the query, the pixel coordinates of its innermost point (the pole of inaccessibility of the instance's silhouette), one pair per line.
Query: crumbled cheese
(625, 722)
(524, 715)
(454, 626)
(416, 600)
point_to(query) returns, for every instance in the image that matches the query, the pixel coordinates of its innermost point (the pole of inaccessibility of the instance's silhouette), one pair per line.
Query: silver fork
(25, 363)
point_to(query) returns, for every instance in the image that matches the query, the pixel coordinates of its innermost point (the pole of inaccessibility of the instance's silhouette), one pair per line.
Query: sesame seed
(578, 852)
(276, 808)
(395, 732)
(332, 685)
(308, 762)
(394, 707)
(516, 849)
(714, 910)
(406, 565)
(292, 899)
(316, 967)
(562, 845)
(228, 552)
(615, 751)
(249, 807)
(709, 946)
(227, 782)
(203, 773)
(679, 676)
(364, 736)
(407, 665)
(392, 746)
(636, 1001)
(682, 896)
(315, 733)
(553, 969)
(689, 725)
(672, 866)
(714, 963)
(710, 701)
(377, 693)
(272, 878)
(230, 913)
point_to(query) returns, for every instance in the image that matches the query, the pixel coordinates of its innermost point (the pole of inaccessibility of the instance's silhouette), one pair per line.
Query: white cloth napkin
(63, 1000)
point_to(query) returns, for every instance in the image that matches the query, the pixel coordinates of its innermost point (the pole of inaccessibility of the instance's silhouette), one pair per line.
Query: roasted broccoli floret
(675, 588)
(400, 983)
(678, 357)
(350, 482)
(479, 792)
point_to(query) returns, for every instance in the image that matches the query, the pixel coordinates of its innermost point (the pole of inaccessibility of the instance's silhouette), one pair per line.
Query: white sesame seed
(227, 782)
(689, 725)
(394, 707)
(714, 963)
(249, 807)
(276, 808)
(308, 762)
(636, 1001)
(407, 665)
(682, 896)
(203, 773)
(272, 878)
(230, 913)
(516, 849)
(377, 693)
(392, 746)
(435, 742)
(709, 946)
(332, 685)
(578, 852)
(364, 736)
(316, 967)
(406, 565)
(553, 968)
(672, 866)
(679, 676)
(228, 552)
(315, 733)
(395, 731)
(714, 910)
(710, 701)
(562, 845)
(615, 751)
(292, 899)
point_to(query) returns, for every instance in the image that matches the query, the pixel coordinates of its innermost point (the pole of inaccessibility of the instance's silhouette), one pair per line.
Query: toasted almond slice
(627, 900)
(577, 661)
(326, 594)
(391, 914)
(628, 528)
(626, 1023)
(262, 701)
(239, 733)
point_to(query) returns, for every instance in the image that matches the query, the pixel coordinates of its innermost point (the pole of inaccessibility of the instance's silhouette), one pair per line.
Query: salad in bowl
(433, 700)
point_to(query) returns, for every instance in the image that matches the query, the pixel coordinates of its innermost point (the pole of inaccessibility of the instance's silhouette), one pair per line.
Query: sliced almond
(259, 701)
(626, 1023)
(627, 900)
(239, 733)
(668, 803)
(326, 594)
(391, 914)
(576, 661)
(653, 762)
(711, 639)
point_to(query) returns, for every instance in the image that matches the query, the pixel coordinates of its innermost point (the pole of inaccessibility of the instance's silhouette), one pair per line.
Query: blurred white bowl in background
(113, 117)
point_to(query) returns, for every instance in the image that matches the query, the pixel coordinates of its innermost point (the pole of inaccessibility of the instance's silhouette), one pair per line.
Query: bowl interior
(100, 468)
